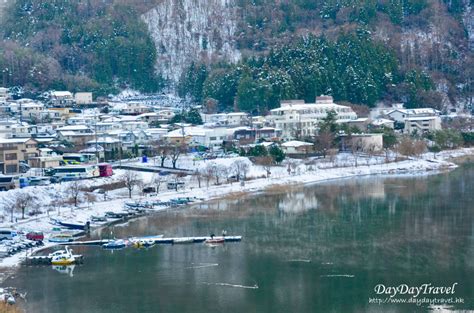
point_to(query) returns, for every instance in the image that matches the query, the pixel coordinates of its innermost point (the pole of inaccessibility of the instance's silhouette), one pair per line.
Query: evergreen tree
(277, 154)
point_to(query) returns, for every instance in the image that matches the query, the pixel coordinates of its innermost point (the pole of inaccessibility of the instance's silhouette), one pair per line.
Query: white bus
(63, 173)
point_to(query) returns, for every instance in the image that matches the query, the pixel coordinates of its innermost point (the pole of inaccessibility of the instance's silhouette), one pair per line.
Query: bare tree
(141, 187)
(90, 198)
(208, 173)
(75, 191)
(198, 175)
(175, 153)
(241, 169)
(267, 163)
(410, 147)
(23, 200)
(157, 181)
(130, 180)
(419, 147)
(218, 171)
(323, 142)
(332, 155)
(161, 149)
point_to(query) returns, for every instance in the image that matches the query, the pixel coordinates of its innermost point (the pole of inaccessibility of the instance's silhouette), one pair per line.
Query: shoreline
(412, 167)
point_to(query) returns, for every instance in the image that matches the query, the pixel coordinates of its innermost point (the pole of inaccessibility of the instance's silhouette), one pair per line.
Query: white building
(422, 124)
(399, 115)
(61, 99)
(235, 119)
(201, 136)
(83, 97)
(298, 119)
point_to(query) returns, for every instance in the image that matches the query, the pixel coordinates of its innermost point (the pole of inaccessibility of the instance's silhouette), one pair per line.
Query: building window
(10, 156)
(9, 169)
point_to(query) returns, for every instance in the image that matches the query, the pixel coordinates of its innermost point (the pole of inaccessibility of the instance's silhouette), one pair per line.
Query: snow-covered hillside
(189, 30)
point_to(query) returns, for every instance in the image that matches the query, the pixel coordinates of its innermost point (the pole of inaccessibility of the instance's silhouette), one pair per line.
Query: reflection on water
(317, 248)
(65, 269)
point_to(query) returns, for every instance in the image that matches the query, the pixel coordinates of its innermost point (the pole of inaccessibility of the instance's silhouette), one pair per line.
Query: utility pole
(95, 135)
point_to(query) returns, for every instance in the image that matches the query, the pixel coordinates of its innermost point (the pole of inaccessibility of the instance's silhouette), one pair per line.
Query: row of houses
(128, 126)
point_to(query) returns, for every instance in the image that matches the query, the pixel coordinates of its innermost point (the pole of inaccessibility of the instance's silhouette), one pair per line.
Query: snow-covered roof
(14, 140)
(237, 114)
(73, 128)
(381, 121)
(296, 144)
(187, 131)
(421, 118)
(104, 140)
(61, 94)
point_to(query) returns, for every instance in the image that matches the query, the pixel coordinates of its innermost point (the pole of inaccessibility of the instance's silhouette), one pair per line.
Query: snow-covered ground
(48, 198)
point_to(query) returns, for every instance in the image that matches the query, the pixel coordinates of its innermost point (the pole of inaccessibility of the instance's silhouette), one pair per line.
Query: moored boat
(215, 240)
(72, 225)
(61, 238)
(115, 244)
(62, 257)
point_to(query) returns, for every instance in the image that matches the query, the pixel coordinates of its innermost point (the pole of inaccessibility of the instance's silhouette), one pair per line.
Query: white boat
(115, 244)
(62, 257)
(183, 240)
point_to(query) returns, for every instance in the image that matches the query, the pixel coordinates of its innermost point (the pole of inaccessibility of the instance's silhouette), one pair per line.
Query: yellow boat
(62, 257)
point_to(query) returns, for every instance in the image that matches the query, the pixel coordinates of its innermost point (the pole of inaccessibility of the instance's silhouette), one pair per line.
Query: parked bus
(105, 170)
(64, 173)
(79, 158)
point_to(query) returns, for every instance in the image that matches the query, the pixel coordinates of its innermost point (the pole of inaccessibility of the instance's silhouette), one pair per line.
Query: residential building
(83, 97)
(298, 119)
(227, 119)
(422, 125)
(129, 108)
(399, 115)
(45, 161)
(77, 135)
(199, 136)
(61, 99)
(156, 134)
(32, 111)
(246, 135)
(237, 119)
(297, 148)
(12, 151)
(368, 143)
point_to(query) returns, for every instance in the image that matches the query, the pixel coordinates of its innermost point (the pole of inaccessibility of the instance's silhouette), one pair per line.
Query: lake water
(320, 248)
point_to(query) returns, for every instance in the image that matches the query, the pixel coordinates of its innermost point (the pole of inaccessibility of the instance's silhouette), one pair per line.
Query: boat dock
(46, 260)
(197, 239)
(161, 240)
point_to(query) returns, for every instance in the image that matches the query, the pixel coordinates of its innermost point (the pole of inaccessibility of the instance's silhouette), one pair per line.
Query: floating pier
(46, 260)
(157, 240)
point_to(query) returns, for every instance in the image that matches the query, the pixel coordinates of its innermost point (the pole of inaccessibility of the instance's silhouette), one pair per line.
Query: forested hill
(246, 54)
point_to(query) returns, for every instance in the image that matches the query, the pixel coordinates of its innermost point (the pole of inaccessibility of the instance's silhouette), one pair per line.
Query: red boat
(215, 240)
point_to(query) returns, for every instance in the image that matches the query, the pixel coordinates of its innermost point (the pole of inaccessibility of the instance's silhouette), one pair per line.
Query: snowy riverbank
(301, 174)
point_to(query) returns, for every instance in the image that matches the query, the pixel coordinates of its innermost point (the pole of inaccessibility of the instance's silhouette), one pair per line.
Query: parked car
(149, 190)
(35, 236)
(7, 234)
(175, 186)
(39, 181)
